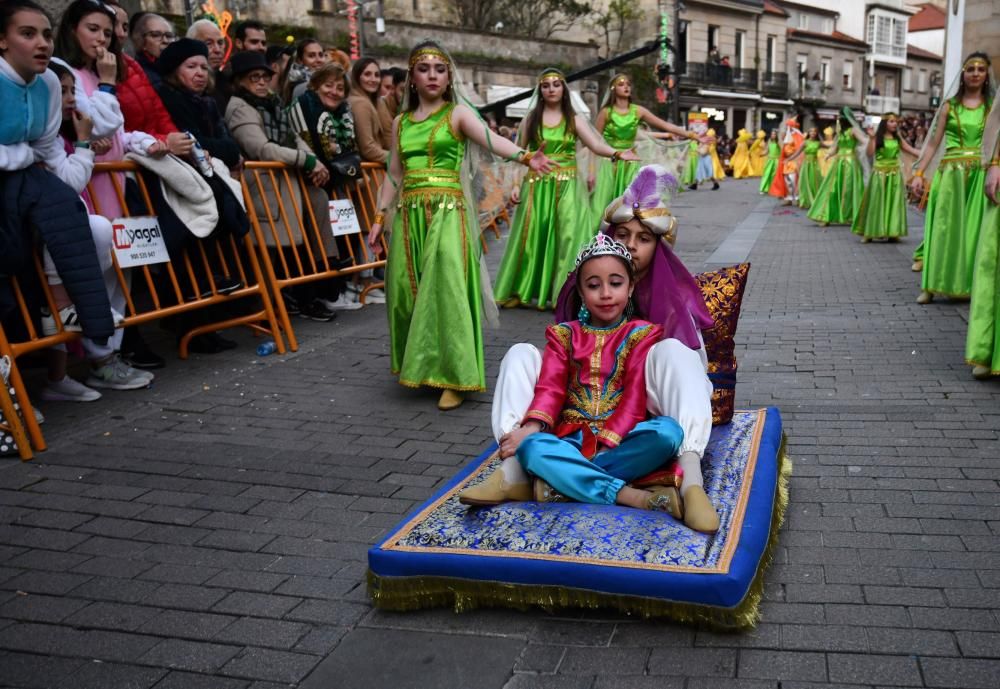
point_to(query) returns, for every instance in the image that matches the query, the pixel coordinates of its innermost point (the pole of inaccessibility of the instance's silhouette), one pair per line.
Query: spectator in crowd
(388, 84)
(322, 118)
(140, 105)
(185, 69)
(277, 59)
(130, 114)
(208, 32)
(309, 57)
(108, 369)
(34, 163)
(260, 124)
(389, 104)
(151, 33)
(249, 35)
(366, 82)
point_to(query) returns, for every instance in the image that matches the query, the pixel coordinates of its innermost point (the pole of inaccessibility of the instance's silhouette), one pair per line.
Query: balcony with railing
(718, 76)
(774, 85)
(809, 91)
(878, 105)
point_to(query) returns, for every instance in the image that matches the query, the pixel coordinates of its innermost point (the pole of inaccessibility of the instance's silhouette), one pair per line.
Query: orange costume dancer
(791, 142)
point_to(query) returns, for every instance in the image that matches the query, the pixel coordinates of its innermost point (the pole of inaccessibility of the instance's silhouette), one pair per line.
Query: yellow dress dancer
(719, 172)
(758, 154)
(828, 152)
(742, 166)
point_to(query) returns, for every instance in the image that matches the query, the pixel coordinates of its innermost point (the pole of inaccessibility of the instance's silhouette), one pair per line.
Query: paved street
(211, 532)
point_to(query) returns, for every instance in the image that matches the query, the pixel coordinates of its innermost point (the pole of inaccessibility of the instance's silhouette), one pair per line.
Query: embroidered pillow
(723, 292)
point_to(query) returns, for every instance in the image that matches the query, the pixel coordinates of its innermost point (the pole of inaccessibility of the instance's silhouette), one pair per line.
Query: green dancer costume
(552, 223)
(613, 177)
(809, 174)
(839, 197)
(770, 166)
(982, 344)
(883, 206)
(432, 275)
(690, 175)
(955, 205)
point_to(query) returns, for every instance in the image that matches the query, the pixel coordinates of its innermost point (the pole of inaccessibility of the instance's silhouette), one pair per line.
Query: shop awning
(776, 101)
(519, 109)
(729, 94)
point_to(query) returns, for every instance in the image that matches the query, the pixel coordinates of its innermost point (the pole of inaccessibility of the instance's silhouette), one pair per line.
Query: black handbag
(346, 166)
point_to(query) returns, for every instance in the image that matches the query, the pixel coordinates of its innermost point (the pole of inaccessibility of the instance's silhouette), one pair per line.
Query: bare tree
(528, 18)
(614, 20)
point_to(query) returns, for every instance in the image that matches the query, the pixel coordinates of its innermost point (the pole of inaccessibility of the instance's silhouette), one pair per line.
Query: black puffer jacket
(34, 200)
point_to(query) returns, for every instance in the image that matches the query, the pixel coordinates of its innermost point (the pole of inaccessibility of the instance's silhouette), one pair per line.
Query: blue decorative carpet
(579, 555)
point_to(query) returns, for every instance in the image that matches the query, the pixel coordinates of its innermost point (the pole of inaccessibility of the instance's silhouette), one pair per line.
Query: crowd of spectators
(190, 110)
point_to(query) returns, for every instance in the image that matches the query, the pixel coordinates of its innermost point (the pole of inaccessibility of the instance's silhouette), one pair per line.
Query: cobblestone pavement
(212, 531)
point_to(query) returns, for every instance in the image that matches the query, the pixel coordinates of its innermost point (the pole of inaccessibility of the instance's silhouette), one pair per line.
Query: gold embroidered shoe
(666, 500)
(450, 399)
(925, 297)
(918, 265)
(494, 490)
(699, 514)
(546, 493)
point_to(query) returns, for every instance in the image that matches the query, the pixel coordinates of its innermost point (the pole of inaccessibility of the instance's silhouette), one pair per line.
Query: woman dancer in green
(982, 345)
(690, 174)
(809, 175)
(955, 203)
(618, 122)
(436, 289)
(553, 219)
(839, 197)
(771, 165)
(883, 206)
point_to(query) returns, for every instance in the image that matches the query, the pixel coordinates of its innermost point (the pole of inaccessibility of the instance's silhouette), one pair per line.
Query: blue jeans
(560, 463)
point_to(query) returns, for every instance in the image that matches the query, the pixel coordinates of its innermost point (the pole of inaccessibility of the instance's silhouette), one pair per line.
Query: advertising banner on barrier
(343, 218)
(137, 241)
(698, 122)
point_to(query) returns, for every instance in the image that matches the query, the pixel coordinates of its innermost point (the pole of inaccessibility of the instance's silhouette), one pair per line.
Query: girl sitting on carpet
(585, 433)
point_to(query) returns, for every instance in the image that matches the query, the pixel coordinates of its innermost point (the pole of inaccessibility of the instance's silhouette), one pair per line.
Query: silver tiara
(603, 245)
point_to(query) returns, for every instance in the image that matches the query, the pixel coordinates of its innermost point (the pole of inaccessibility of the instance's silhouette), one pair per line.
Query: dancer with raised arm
(436, 288)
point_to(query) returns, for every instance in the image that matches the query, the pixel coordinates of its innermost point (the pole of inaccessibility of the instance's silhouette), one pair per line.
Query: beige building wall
(982, 29)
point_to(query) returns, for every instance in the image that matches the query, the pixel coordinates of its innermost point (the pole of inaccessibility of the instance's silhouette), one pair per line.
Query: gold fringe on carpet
(414, 593)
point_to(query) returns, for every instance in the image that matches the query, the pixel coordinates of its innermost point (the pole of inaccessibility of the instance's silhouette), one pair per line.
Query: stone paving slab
(211, 531)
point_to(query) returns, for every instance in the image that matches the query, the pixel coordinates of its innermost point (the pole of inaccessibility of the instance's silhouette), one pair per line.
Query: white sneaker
(67, 315)
(117, 375)
(375, 296)
(70, 320)
(69, 390)
(343, 303)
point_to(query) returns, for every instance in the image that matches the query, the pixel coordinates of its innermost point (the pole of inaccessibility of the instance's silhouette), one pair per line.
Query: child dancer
(590, 451)
(883, 207)
(771, 165)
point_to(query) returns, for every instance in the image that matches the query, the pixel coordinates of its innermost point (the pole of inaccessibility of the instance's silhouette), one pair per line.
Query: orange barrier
(291, 223)
(184, 284)
(290, 244)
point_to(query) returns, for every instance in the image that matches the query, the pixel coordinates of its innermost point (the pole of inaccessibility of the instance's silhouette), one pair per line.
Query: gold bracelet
(379, 218)
(526, 157)
(918, 173)
(616, 156)
(994, 163)
(691, 135)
